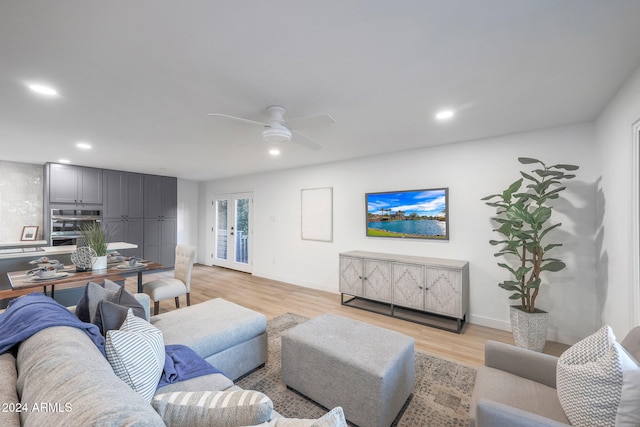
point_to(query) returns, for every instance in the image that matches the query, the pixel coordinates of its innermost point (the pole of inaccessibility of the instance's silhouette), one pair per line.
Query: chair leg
(188, 298)
(177, 302)
(156, 307)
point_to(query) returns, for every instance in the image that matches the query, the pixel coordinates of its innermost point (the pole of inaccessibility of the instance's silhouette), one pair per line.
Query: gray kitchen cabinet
(123, 194)
(160, 196)
(77, 185)
(130, 230)
(431, 291)
(160, 240)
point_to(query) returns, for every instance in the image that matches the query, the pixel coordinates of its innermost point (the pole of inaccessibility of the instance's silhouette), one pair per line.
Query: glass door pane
(221, 229)
(242, 231)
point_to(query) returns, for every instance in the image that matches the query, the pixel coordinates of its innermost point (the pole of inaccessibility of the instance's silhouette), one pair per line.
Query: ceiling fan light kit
(276, 134)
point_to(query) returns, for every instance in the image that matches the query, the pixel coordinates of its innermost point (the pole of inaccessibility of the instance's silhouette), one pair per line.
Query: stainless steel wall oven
(66, 224)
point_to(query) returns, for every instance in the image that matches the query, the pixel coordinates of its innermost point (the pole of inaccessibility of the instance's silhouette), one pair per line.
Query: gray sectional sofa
(58, 377)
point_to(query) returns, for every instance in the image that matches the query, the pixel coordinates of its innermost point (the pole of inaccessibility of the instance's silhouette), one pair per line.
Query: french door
(232, 231)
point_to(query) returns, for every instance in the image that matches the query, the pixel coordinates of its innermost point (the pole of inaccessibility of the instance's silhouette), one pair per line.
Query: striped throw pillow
(136, 354)
(213, 408)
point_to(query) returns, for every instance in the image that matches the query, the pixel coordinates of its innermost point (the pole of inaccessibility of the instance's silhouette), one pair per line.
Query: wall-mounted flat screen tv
(416, 214)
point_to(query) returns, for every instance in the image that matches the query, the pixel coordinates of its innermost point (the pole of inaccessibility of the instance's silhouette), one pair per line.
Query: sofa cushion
(598, 382)
(136, 353)
(61, 365)
(11, 406)
(503, 387)
(218, 408)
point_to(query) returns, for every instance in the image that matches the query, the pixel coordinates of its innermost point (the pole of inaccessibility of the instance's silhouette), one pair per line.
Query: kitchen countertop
(50, 251)
(23, 243)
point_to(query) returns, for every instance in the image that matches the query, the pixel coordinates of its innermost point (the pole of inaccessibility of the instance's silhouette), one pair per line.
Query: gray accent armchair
(517, 387)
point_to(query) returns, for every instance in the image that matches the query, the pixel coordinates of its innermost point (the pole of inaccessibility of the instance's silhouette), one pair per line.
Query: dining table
(70, 277)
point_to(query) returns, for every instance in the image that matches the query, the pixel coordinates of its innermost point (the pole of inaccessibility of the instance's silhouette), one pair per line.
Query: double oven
(67, 224)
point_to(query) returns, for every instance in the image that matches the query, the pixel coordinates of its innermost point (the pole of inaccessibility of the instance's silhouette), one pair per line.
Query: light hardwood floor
(274, 298)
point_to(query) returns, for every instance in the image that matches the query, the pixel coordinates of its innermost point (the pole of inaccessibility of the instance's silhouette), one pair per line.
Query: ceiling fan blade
(239, 119)
(305, 141)
(309, 121)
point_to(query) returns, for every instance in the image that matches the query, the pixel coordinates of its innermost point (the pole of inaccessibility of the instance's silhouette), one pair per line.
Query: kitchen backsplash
(20, 199)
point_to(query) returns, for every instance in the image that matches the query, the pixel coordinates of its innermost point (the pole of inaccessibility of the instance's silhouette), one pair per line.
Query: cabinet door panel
(90, 185)
(377, 282)
(408, 285)
(63, 185)
(444, 292)
(152, 196)
(134, 234)
(113, 200)
(134, 195)
(351, 276)
(169, 200)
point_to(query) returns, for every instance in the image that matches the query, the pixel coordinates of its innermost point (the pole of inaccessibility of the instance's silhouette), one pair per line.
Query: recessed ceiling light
(83, 145)
(274, 152)
(42, 89)
(444, 114)
(64, 161)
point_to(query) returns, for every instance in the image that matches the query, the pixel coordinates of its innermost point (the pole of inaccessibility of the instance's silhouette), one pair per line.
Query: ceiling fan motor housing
(277, 132)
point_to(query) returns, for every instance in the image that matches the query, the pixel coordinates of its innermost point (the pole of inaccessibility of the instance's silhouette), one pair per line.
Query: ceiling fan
(277, 130)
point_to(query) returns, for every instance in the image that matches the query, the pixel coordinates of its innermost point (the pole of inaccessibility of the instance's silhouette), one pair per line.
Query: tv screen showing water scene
(416, 214)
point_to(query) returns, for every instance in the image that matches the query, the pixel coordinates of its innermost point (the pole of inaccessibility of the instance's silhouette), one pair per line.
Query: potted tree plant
(523, 219)
(96, 237)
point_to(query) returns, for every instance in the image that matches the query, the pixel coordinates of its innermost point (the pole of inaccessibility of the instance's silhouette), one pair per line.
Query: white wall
(617, 257)
(187, 212)
(470, 170)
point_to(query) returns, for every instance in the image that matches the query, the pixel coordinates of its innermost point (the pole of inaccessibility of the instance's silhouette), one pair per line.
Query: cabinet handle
(419, 287)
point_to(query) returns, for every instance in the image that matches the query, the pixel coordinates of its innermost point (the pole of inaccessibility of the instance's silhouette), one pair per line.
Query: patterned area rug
(440, 397)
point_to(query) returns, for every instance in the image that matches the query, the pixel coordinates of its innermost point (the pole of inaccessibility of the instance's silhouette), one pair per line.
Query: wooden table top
(20, 280)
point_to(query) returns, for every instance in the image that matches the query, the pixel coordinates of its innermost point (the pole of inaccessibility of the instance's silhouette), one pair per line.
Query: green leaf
(528, 160)
(530, 177)
(516, 296)
(551, 246)
(534, 284)
(496, 242)
(510, 285)
(566, 167)
(544, 233)
(506, 194)
(541, 214)
(505, 229)
(490, 197)
(503, 265)
(553, 266)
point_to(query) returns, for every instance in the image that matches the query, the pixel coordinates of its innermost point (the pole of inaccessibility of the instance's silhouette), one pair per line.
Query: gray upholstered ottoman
(231, 337)
(336, 361)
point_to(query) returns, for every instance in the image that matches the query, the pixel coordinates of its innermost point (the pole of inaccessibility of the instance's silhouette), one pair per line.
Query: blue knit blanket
(182, 363)
(34, 312)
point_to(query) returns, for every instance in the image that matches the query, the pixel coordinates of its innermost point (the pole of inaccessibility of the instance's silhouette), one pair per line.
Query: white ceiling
(137, 78)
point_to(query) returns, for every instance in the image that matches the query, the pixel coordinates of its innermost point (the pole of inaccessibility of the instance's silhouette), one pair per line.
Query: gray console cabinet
(432, 291)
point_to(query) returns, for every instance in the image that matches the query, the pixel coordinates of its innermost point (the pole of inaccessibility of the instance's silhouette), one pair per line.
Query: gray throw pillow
(111, 313)
(93, 294)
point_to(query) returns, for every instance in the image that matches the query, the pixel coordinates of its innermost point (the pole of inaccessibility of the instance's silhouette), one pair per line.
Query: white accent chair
(180, 284)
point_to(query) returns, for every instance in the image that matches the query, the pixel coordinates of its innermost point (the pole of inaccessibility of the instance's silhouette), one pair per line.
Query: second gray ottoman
(335, 361)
